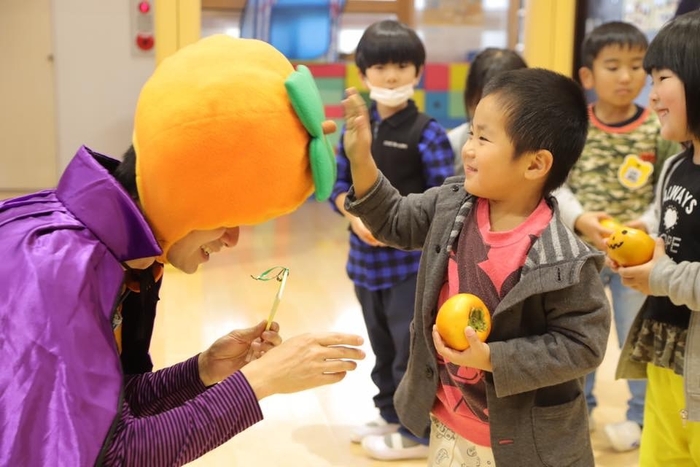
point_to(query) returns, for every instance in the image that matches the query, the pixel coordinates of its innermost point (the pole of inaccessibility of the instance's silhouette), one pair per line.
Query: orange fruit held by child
(629, 247)
(610, 224)
(458, 312)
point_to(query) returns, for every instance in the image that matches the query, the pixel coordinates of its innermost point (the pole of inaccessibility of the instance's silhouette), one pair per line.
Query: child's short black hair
(544, 110)
(611, 33)
(487, 64)
(389, 41)
(677, 48)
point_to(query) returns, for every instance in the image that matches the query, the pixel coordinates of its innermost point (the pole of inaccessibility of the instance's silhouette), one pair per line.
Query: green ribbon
(308, 105)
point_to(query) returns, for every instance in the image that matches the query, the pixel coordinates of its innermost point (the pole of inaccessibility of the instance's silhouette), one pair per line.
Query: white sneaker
(377, 427)
(393, 447)
(623, 436)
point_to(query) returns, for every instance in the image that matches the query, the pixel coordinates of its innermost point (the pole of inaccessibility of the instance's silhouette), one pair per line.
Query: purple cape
(60, 275)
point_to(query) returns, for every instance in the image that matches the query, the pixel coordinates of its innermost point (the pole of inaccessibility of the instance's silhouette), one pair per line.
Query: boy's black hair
(677, 48)
(487, 64)
(544, 110)
(389, 41)
(625, 35)
(686, 6)
(125, 173)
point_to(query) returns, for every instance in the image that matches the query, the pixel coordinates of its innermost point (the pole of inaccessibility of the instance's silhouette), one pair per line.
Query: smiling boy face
(489, 164)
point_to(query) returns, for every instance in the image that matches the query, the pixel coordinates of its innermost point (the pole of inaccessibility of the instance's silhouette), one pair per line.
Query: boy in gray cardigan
(516, 399)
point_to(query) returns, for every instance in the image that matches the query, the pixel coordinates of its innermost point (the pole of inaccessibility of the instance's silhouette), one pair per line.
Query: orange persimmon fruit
(610, 224)
(458, 312)
(629, 247)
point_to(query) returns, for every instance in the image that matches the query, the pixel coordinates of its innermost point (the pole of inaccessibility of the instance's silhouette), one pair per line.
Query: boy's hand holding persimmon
(477, 355)
(462, 325)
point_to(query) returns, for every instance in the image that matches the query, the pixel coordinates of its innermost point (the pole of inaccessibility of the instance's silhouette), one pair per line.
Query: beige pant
(448, 449)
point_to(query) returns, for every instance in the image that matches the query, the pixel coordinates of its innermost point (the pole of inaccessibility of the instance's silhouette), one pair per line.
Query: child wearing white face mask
(414, 153)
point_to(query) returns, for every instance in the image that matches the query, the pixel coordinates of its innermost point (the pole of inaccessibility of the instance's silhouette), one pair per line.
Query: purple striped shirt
(170, 418)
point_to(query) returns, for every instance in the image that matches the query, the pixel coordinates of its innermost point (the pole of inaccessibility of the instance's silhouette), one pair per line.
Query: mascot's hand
(304, 362)
(234, 350)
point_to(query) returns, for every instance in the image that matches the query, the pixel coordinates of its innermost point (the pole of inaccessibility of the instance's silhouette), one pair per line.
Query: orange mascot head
(228, 133)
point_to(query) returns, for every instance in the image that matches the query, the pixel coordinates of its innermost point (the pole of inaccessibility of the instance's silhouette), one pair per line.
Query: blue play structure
(300, 29)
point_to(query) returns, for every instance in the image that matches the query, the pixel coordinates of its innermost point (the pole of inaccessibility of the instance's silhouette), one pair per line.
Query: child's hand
(588, 225)
(477, 355)
(637, 224)
(357, 140)
(612, 264)
(637, 277)
(329, 127)
(363, 232)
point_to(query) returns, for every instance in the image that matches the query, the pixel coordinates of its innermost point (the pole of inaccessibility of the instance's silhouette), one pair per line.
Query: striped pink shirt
(170, 418)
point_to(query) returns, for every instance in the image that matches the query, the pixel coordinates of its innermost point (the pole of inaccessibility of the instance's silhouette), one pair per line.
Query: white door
(27, 106)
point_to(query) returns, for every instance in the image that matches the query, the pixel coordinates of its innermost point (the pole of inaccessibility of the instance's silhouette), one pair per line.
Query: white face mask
(391, 97)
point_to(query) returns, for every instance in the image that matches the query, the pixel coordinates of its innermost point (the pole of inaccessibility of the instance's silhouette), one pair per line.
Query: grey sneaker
(378, 427)
(394, 447)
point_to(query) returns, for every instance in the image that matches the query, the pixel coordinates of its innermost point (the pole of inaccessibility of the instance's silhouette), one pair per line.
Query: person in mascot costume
(226, 133)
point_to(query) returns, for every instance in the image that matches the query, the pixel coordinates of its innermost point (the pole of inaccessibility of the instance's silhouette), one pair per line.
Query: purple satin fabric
(60, 274)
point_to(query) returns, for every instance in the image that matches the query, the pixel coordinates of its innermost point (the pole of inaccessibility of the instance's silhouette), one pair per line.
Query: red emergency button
(144, 7)
(145, 41)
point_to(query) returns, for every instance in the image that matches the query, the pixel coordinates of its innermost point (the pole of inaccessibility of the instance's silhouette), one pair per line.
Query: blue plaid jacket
(377, 268)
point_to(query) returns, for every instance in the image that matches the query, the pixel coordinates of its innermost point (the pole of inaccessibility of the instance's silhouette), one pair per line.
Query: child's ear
(419, 73)
(540, 163)
(363, 78)
(585, 74)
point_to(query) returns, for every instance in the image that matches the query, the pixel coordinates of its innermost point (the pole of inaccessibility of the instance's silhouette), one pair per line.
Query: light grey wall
(97, 77)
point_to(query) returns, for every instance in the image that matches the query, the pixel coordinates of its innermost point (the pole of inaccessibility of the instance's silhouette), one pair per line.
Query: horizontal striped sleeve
(182, 434)
(152, 393)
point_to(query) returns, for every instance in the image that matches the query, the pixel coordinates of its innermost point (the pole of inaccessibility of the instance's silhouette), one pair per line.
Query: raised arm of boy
(358, 141)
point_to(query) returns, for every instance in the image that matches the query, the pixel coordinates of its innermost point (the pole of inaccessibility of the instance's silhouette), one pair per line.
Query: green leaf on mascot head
(307, 103)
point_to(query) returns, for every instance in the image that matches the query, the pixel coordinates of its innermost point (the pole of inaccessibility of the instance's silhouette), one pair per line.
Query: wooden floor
(309, 429)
